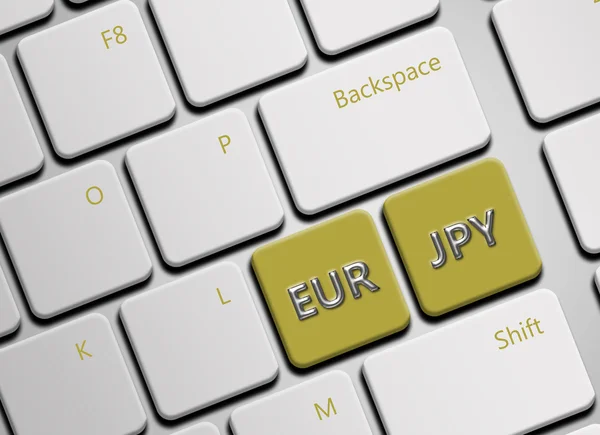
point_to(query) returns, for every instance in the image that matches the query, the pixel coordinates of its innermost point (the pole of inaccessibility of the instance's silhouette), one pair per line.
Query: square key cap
(204, 187)
(73, 239)
(70, 380)
(220, 48)
(20, 153)
(330, 289)
(573, 153)
(199, 340)
(10, 319)
(96, 79)
(462, 237)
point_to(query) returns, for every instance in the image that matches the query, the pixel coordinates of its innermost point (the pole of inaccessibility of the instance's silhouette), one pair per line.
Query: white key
(213, 191)
(340, 25)
(17, 13)
(70, 380)
(593, 429)
(208, 323)
(200, 429)
(73, 239)
(458, 379)
(325, 405)
(20, 153)
(9, 314)
(96, 79)
(552, 54)
(332, 150)
(574, 157)
(222, 48)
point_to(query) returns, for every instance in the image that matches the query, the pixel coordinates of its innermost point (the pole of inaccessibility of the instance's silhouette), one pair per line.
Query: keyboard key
(222, 48)
(96, 79)
(70, 380)
(324, 405)
(374, 120)
(17, 13)
(200, 429)
(573, 154)
(340, 25)
(552, 54)
(214, 190)
(73, 239)
(208, 323)
(318, 282)
(20, 153)
(462, 237)
(10, 319)
(594, 429)
(505, 371)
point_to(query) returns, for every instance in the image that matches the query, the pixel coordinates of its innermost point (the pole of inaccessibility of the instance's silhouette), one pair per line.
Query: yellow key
(330, 289)
(462, 237)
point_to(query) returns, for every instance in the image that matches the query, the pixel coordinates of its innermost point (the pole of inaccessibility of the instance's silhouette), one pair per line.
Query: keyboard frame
(516, 141)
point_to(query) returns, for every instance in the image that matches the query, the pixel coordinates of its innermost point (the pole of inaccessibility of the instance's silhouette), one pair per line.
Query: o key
(45, 376)
(324, 405)
(87, 244)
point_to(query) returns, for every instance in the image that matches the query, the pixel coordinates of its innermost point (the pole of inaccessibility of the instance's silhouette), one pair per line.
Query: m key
(48, 375)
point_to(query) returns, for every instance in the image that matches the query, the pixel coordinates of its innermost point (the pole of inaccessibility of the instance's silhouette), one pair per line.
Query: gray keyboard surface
(516, 141)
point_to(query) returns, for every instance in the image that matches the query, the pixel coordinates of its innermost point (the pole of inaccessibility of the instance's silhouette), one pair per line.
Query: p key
(73, 380)
(96, 79)
(326, 405)
(73, 239)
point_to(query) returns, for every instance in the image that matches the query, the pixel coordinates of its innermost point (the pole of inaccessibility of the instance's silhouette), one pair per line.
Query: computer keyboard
(297, 217)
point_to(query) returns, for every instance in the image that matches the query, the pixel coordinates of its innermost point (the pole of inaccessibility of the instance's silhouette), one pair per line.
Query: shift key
(505, 371)
(374, 120)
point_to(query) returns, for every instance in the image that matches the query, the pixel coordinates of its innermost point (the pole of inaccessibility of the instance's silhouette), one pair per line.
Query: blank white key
(574, 156)
(353, 128)
(70, 380)
(551, 46)
(73, 239)
(339, 25)
(200, 429)
(207, 324)
(20, 153)
(204, 187)
(517, 360)
(9, 314)
(221, 48)
(96, 79)
(17, 13)
(325, 405)
(594, 429)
